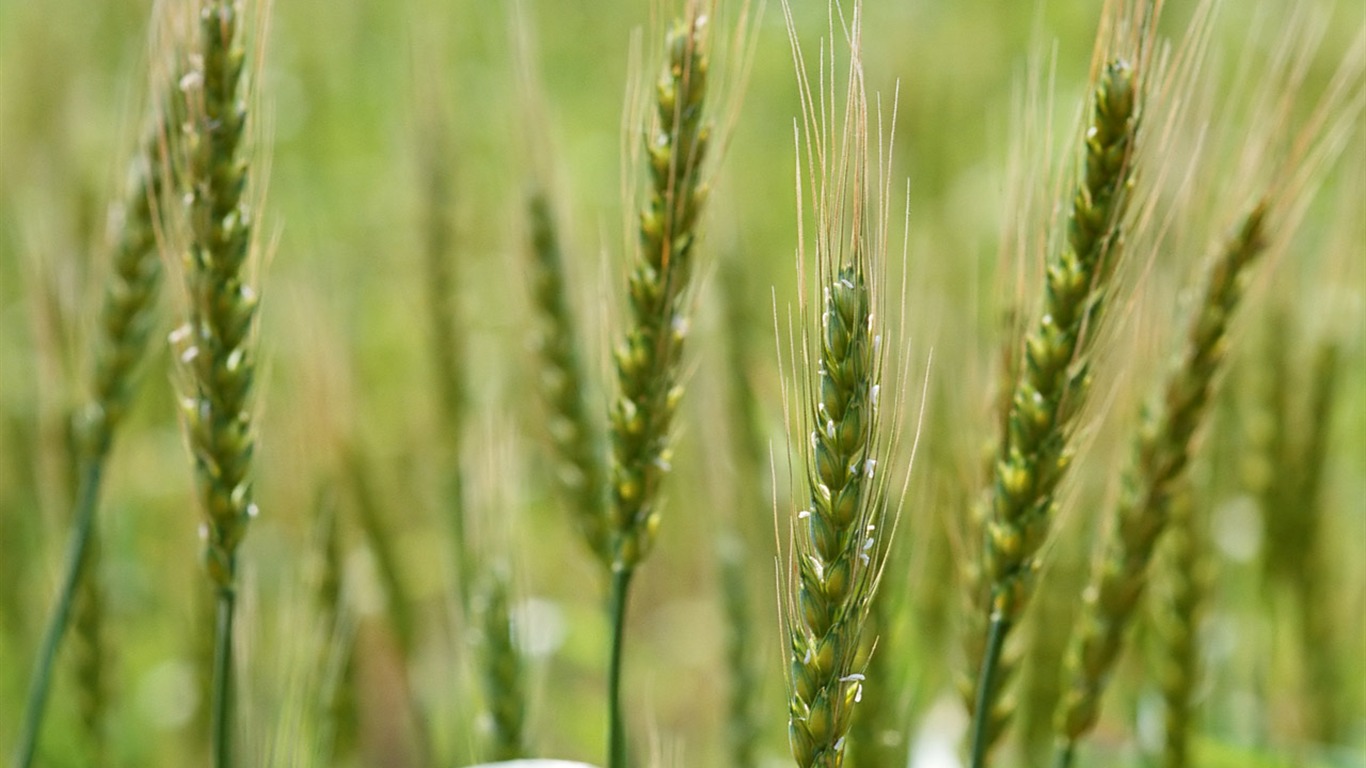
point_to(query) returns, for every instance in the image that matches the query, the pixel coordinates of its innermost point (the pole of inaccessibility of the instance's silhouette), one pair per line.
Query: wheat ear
(835, 578)
(838, 540)
(126, 319)
(1318, 619)
(647, 359)
(1163, 450)
(503, 678)
(582, 474)
(742, 726)
(1177, 624)
(215, 346)
(1049, 391)
(447, 347)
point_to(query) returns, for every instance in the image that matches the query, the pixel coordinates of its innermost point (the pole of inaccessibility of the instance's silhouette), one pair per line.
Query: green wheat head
(647, 359)
(215, 345)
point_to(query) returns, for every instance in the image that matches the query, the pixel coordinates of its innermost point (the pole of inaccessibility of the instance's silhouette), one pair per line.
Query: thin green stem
(1066, 749)
(87, 498)
(616, 725)
(222, 704)
(986, 684)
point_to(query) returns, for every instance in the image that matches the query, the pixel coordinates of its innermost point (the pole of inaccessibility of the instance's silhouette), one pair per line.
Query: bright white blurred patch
(1238, 529)
(168, 695)
(1151, 726)
(540, 626)
(940, 733)
(534, 764)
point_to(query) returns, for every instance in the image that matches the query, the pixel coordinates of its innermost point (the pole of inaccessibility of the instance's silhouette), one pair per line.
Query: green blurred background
(348, 93)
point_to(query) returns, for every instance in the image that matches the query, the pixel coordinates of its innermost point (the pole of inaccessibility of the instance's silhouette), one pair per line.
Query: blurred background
(360, 102)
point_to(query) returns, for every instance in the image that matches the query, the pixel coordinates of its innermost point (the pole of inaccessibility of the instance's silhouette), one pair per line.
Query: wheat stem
(618, 756)
(81, 532)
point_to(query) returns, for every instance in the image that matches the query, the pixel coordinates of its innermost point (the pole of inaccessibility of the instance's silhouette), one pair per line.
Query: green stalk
(986, 690)
(86, 501)
(616, 724)
(221, 708)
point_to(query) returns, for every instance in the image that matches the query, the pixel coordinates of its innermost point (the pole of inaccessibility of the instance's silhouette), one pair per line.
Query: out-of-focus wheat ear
(335, 663)
(215, 345)
(1050, 387)
(398, 600)
(127, 317)
(753, 502)
(447, 347)
(1319, 622)
(1046, 634)
(649, 355)
(1181, 578)
(742, 724)
(564, 384)
(1163, 450)
(381, 541)
(1271, 454)
(501, 668)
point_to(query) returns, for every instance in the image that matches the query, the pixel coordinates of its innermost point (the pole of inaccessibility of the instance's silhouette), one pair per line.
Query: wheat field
(696, 383)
